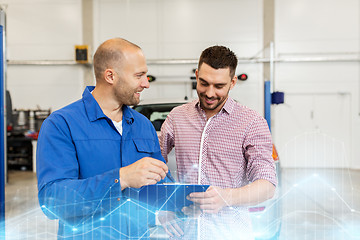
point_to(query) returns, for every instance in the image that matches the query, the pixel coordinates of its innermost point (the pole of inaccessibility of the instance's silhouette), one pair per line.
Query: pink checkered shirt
(235, 147)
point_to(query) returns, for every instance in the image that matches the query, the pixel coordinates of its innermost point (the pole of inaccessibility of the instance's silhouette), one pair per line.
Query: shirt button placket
(117, 181)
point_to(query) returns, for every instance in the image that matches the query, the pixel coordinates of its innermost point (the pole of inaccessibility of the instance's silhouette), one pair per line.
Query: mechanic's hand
(192, 211)
(211, 201)
(143, 172)
(169, 222)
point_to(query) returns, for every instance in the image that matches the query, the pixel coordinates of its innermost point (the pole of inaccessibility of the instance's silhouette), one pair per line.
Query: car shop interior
(298, 67)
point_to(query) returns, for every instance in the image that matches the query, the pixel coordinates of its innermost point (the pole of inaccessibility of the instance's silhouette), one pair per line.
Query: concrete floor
(320, 204)
(23, 216)
(316, 204)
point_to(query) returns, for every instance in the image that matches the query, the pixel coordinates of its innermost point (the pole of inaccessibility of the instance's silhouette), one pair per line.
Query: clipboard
(166, 197)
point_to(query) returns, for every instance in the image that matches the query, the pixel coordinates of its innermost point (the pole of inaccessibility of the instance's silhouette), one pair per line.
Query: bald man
(92, 149)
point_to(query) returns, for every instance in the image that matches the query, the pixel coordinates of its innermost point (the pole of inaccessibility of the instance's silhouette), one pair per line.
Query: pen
(170, 177)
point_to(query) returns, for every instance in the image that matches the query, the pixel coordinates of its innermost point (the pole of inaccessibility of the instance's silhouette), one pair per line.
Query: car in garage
(266, 217)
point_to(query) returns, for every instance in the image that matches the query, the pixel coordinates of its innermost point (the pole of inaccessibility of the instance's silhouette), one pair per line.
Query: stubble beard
(205, 106)
(127, 98)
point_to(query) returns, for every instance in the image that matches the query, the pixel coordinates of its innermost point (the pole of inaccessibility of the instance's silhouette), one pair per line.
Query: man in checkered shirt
(223, 144)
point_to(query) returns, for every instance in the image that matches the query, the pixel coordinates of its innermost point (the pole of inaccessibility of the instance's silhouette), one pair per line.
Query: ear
(233, 82)
(197, 73)
(109, 76)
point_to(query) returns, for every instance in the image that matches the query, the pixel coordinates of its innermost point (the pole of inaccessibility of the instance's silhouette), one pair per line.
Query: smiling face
(213, 86)
(130, 78)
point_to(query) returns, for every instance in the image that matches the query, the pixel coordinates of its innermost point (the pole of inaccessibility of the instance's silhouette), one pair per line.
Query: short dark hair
(219, 57)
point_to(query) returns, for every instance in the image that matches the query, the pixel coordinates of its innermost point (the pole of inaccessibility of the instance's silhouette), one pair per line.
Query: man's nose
(145, 82)
(210, 92)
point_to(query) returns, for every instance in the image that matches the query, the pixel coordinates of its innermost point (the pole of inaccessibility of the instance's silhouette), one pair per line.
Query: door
(313, 130)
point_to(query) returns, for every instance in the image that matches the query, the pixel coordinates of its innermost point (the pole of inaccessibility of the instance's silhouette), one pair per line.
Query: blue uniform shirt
(79, 155)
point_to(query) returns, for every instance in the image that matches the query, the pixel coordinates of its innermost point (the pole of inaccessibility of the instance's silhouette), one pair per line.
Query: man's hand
(192, 211)
(211, 201)
(169, 222)
(143, 172)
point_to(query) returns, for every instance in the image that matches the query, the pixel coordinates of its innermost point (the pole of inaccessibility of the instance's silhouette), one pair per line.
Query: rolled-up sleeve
(258, 152)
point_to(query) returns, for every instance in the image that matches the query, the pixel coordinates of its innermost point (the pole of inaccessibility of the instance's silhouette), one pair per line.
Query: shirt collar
(127, 114)
(94, 111)
(228, 106)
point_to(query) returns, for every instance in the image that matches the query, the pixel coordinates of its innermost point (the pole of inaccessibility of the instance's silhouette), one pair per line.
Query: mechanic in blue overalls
(92, 149)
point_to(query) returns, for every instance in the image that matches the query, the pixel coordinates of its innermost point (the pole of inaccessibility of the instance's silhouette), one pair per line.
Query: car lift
(2, 125)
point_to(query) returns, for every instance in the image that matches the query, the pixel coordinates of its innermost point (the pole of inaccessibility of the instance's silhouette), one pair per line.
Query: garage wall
(319, 126)
(48, 30)
(181, 29)
(43, 30)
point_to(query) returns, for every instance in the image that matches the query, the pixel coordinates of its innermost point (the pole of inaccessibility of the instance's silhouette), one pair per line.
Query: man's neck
(110, 107)
(210, 114)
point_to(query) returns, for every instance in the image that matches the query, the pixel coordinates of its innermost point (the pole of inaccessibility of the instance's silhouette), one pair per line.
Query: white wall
(322, 98)
(181, 29)
(49, 29)
(43, 30)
